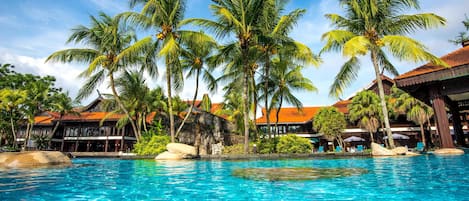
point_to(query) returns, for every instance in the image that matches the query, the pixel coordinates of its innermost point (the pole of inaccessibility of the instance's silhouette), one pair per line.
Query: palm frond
(347, 74)
(405, 48)
(335, 40)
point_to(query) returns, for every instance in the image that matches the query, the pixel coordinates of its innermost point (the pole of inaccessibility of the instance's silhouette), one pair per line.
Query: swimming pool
(425, 177)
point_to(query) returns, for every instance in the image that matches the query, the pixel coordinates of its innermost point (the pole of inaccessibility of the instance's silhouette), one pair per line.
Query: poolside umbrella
(354, 139)
(397, 136)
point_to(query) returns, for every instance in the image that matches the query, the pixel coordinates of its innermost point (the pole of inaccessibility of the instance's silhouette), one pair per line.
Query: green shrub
(151, 144)
(293, 144)
(236, 149)
(267, 146)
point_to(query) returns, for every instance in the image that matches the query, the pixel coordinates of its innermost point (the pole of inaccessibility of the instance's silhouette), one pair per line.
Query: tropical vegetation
(331, 123)
(253, 51)
(375, 28)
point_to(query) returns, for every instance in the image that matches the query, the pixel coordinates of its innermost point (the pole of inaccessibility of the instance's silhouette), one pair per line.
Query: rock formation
(177, 151)
(33, 159)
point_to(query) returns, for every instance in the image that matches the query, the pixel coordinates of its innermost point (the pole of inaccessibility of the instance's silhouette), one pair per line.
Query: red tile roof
(43, 120)
(290, 115)
(342, 105)
(91, 116)
(453, 59)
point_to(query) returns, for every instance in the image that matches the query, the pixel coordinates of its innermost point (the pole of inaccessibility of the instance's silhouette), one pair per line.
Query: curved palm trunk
(277, 115)
(266, 88)
(382, 99)
(245, 97)
(193, 102)
(255, 101)
(170, 100)
(118, 100)
(371, 136)
(57, 125)
(13, 131)
(423, 136)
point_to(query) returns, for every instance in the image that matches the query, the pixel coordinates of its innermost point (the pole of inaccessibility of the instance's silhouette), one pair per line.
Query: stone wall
(214, 131)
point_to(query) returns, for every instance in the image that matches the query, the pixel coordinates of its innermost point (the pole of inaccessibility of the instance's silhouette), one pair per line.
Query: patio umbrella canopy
(397, 136)
(354, 139)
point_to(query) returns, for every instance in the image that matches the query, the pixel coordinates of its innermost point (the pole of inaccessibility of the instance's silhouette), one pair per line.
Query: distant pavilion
(445, 89)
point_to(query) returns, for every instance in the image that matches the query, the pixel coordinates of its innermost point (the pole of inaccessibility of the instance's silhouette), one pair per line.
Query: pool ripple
(416, 178)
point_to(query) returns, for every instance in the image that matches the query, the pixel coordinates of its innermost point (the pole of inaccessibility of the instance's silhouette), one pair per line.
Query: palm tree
(415, 110)
(62, 104)
(288, 78)
(273, 35)
(10, 101)
(165, 18)
(110, 51)
(365, 108)
(241, 19)
(377, 27)
(193, 58)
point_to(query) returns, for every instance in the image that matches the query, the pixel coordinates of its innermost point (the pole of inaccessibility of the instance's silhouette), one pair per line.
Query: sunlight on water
(402, 178)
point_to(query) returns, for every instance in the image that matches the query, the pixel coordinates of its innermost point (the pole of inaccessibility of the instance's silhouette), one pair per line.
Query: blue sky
(33, 29)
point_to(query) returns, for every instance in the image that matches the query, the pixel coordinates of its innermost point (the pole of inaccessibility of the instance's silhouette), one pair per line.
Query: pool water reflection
(418, 178)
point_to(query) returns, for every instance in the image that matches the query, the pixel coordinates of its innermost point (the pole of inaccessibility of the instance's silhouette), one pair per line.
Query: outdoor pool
(425, 177)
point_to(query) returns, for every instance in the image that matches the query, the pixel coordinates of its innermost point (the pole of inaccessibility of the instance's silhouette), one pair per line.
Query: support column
(457, 125)
(441, 118)
(63, 141)
(88, 145)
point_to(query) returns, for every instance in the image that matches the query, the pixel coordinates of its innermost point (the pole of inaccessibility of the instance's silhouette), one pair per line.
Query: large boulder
(169, 156)
(400, 150)
(409, 153)
(448, 151)
(378, 150)
(178, 148)
(33, 159)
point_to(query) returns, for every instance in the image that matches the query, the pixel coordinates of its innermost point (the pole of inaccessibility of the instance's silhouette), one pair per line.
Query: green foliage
(267, 145)
(151, 144)
(236, 149)
(293, 144)
(365, 109)
(41, 141)
(330, 122)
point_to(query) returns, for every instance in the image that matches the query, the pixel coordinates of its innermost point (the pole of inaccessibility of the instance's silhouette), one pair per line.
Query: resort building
(446, 89)
(93, 129)
(300, 122)
(90, 129)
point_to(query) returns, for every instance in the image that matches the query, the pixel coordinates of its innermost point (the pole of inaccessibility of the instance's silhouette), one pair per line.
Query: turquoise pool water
(416, 178)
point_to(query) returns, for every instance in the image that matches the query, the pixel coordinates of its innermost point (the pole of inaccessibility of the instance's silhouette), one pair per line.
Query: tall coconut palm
(164, 17)
(375, 27)
(365, 110)
(193, 58)
(415, 110)
(288, 78)
(109, 51)
(274, 31)
(240, 19)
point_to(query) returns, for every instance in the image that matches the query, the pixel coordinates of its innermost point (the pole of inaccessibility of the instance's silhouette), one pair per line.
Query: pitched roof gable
(454, 59)
(290, 115)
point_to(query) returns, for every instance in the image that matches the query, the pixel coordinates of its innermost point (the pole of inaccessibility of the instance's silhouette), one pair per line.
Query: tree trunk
(197, 137)
(13, 131)
(371, 136)
(170, 100)
(255, 101)
(57, 125)
(121, 105)
(266, 88)
(193, 102)
(277, 115)
(28, 130)
(145, 122)
(245, 97)
(423, 136)
(383, 101)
